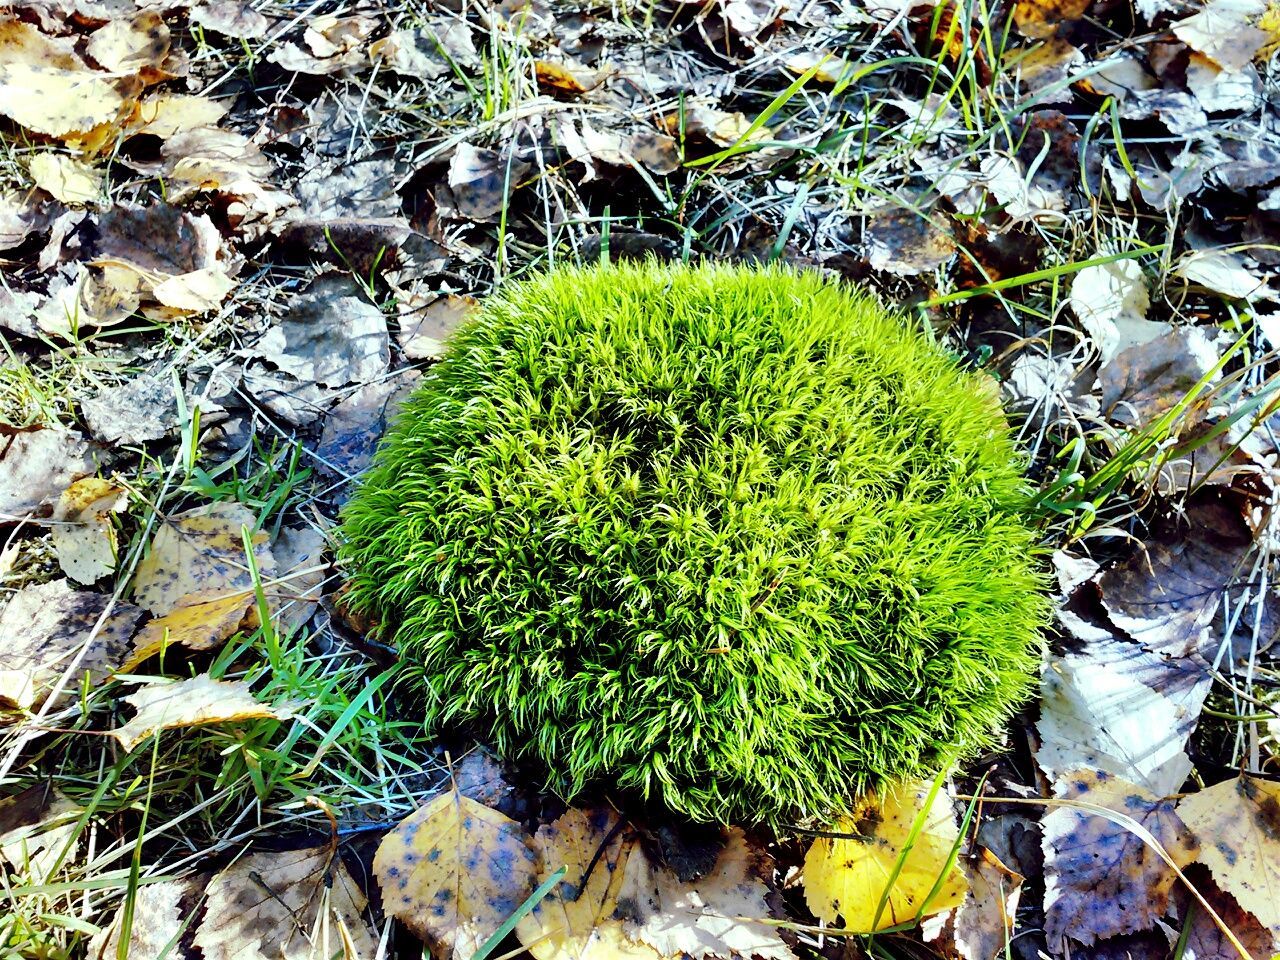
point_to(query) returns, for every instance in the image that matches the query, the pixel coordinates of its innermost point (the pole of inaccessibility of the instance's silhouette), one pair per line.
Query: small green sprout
(739, 540)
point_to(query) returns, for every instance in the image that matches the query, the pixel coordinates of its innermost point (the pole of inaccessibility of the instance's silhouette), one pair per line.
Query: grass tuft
(739, 540)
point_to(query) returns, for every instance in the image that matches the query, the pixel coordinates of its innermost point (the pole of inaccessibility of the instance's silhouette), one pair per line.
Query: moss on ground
(740, 540)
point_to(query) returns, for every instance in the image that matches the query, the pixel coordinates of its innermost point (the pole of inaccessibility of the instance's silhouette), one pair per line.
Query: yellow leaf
(195, 292)
(197, 625)
(564, 928)
(295, 905)
(1238, 824)
(128, 46)
(68, 179)
(167, 115)
(191, 703)
(83, 537)
(199, 552)
(847, 877)
(57, 102)
(453, 872)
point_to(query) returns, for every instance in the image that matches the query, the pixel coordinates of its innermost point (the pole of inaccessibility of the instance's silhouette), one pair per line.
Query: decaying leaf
(36, 466)
(57, 102)
(158, 916)
(1238, 825)
(481, 182)
(453, 872)
(296, 905)
(425, 327)
(982, 926)
(1223, 31)
(38, 832)
(199, 552)
(299, 556)
(145, 408)
(1206, 940)
(1101, 879)
(1141, 383)
(573, 924)
(905, 243)
(706, 917)
(195, 702)
(66, 178)
(131, 45)
(83, 537)
(46, 628)
(847, 877)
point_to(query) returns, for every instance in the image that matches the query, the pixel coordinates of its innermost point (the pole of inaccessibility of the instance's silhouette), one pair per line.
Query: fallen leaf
(130, 45)
(195, 702)
(1101, 879)
(67, 179)
(1238, 825)
(847, 877)
(1205, 939)
(46, 626)
(556, 78)
(298, 552)
(453, 872)
(145, 408)
(905, 243)
(293, 905)
(1222, 272)
(39, 831)
(1041, 18)
(57, 102)
(425, 328)
(480, 182)
(982, 927)
(199, 552)
(581, 925)
(36, 466)
(83, 537)
(158, 915)
(197, 624)
(231, 18)
(331, 335)
(1105, 294)
(166, 115)
(1143, 382)
(353, 427)
(706, 917)
(21, 215)
(1224, 31)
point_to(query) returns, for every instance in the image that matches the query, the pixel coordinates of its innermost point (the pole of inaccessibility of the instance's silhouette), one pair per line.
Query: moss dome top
(737, 539)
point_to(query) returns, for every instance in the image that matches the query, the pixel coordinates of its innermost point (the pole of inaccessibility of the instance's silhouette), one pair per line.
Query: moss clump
(736, 539)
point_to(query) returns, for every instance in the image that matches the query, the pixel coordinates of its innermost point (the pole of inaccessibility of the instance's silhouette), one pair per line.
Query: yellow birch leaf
(564, 928)
(128, 46)
(1238, 825)
(191, 703)
(199, 624)
(166, 115)
(68, 179)
(83, 537)
(453, 872)
(57, 102)
(847, 877)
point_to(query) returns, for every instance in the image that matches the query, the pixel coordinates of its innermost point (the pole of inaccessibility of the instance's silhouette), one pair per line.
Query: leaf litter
(234, 235)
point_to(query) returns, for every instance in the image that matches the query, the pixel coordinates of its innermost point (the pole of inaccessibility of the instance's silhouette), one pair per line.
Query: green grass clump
(737, 539)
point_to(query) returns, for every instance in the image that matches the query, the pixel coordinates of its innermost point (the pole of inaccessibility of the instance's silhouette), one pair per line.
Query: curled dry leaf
(573, 924)
(48, 627)
(292, 905)
(83, 537)
(195, 702)
(1238, 825)
(453, 872)
(199, 552)
(846, 877)
(1101, 878)
(706, 917)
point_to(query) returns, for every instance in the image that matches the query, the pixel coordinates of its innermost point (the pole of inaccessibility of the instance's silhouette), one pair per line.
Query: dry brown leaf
(45, 627)
(231, 18)
(38, 831)
(1224, 31)
(556, 78)
(1206, 940)
(299, 556)
(562, 927)
(453, 872)
(67, 179)
(83, 537)
(1102, 880)
(1238, 825)
(198, 624)
(194, 702)
(703, 917)
(158, 917)
(285, 906)
(982, 926)
(1142, 383)
(199, 552)
(36, 466)
(902, 242)
(848, 877)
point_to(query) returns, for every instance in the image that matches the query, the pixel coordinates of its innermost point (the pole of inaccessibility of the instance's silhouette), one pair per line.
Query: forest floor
(231, 237)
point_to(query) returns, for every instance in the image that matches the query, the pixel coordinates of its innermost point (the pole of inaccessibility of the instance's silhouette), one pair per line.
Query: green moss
(737, 539)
